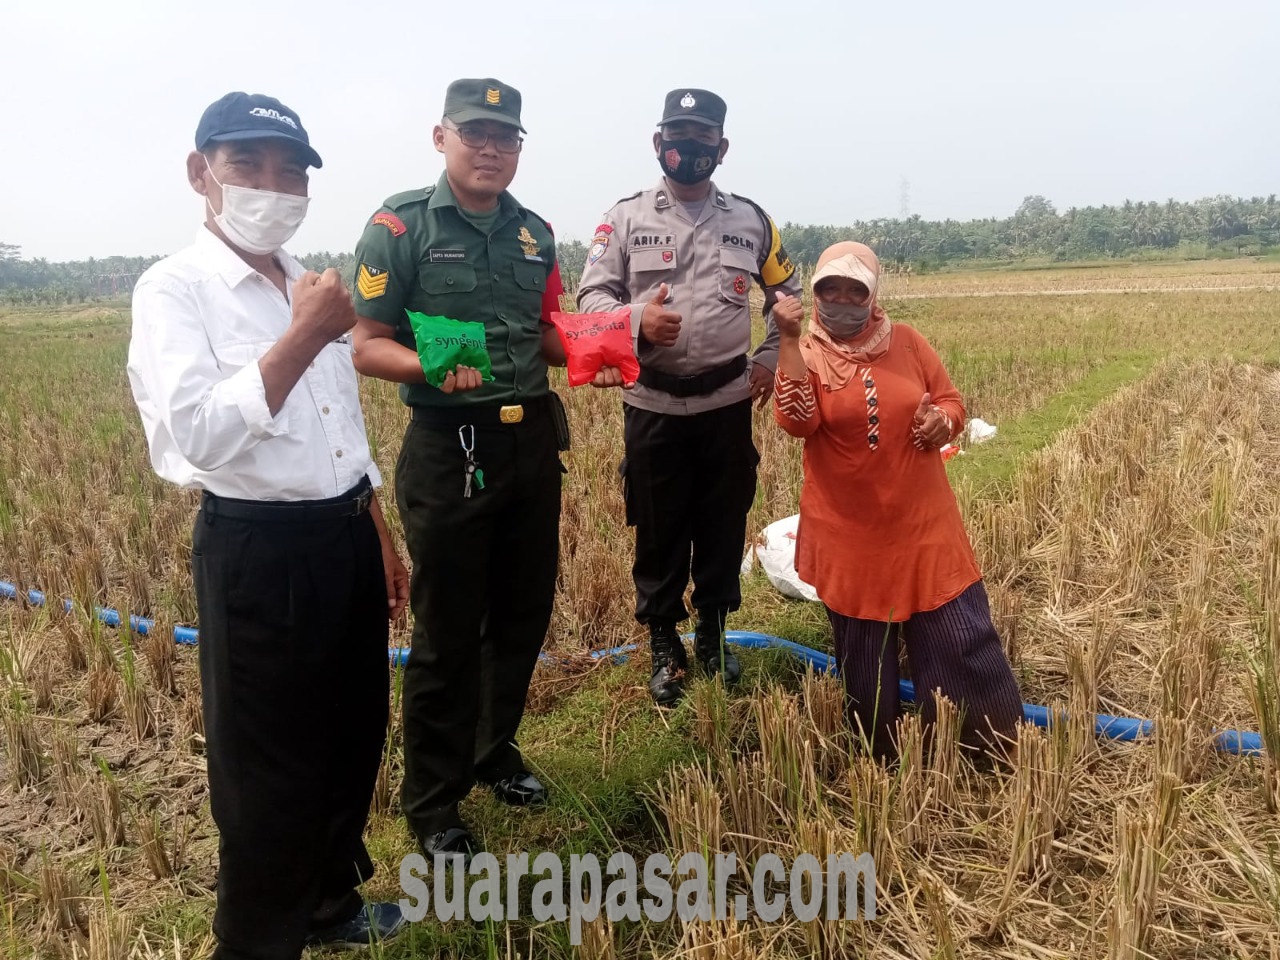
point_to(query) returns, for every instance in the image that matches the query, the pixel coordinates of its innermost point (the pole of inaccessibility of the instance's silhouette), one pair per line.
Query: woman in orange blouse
(880, 537)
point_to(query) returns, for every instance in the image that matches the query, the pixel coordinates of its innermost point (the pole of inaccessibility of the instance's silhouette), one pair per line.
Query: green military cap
(485, 99)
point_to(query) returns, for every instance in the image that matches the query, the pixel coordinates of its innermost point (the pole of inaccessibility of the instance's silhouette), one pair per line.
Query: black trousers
(688, 483)
(294, 679)
(482, 588)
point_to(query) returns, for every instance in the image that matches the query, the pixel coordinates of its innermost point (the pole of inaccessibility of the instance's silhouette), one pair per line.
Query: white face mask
(257, 221)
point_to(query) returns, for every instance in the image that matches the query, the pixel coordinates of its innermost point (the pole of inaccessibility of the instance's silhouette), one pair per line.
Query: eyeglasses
(475, 139)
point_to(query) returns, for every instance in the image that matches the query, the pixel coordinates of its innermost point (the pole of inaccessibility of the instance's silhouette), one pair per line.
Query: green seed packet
(444, 344)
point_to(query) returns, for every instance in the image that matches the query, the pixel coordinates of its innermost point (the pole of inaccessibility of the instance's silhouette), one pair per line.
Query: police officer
(479, 474)
(683, 254)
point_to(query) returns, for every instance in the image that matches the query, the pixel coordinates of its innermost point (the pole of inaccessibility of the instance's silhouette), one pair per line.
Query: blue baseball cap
(252, 116)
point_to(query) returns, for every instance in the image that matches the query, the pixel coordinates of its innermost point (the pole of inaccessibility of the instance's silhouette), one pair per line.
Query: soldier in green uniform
(479, 475)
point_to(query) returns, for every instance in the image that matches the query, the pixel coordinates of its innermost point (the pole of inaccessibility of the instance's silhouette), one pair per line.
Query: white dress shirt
(201, 320)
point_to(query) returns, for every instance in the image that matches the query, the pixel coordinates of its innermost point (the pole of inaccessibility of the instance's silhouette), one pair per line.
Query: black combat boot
(709, 646)
(669, 664)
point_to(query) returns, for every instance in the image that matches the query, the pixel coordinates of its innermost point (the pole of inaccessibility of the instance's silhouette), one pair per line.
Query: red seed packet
(595, 340)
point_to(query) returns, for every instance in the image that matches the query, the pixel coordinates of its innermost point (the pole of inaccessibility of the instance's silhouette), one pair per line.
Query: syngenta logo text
(458, 342)
(273, 114)
(596, 331)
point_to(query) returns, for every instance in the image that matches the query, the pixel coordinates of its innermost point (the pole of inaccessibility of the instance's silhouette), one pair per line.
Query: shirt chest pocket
(443, 279)
(654, 260)
(236, 355)
(531, 285)
(736, 268)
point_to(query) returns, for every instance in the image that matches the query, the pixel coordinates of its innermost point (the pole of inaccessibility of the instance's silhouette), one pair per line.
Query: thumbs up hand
(930, 427)
(922, 411)
(658, 325)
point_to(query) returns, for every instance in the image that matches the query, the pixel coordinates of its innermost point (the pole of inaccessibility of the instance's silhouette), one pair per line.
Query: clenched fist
(322, 306)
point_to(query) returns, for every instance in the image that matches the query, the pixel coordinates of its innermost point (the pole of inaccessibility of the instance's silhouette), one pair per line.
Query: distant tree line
(75, 281)
(1217, 226)
(1213, 227)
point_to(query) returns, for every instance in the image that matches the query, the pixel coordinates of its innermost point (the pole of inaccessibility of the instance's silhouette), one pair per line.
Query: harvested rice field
(1127, 519)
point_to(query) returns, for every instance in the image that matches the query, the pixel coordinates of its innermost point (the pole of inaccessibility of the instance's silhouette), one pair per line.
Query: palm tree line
(1221, 226)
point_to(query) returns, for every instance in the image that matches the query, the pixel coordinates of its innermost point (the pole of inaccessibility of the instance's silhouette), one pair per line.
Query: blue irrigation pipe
(188, 636)
(1242, 742)
(1112, 728)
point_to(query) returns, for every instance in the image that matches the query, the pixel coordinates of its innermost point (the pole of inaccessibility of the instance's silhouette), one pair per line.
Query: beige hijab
(835, 361)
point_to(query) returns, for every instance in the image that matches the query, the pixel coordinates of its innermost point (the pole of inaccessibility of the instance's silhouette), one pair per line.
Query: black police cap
(700, 106)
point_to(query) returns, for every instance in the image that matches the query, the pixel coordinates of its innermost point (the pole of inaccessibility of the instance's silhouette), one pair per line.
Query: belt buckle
(364, 500)
(511, 414)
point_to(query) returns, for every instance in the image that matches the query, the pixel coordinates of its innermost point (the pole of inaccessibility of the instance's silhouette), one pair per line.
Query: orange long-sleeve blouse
(880, 534)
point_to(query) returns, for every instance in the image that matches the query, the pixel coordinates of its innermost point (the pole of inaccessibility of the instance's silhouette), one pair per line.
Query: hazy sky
(831, 106)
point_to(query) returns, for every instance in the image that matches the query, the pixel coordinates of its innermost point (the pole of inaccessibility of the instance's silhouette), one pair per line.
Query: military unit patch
(528, 243)
(371, 282)
(391, 222)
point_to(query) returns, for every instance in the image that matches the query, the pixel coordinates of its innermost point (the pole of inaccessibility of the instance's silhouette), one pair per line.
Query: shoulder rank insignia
(391, 222)
(528, 242)
(371, 282)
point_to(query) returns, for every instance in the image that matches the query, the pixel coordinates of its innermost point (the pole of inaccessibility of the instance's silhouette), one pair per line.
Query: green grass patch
(990, 466)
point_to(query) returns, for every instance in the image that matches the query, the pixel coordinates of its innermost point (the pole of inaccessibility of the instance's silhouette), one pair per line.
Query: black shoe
(710, 649)
(670, 663)
(450, 841)
(520, 790)
(375, 923)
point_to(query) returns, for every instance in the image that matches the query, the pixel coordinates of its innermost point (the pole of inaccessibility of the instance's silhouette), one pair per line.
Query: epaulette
(399, 200)
(625, 199)
(764, 217)
(526, 212)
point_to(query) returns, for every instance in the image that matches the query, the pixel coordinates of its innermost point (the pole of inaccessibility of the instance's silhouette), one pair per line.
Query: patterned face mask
(687, 161)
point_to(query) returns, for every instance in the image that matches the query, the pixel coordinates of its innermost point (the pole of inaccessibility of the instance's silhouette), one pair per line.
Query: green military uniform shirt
(421, 252)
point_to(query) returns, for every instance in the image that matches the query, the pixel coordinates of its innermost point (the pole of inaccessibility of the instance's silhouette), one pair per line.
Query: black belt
(483, 414)
(350, 504)
(697, 385)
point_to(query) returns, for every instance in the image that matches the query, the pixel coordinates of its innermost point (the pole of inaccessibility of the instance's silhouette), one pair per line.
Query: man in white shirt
(240, 364)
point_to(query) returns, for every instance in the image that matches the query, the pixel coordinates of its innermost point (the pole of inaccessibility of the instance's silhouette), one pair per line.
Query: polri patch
(598, 246)
(391, 222)
(447, 255)
(371, 282)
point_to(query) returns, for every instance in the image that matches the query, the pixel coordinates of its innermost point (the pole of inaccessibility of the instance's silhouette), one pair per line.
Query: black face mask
(687, 161)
